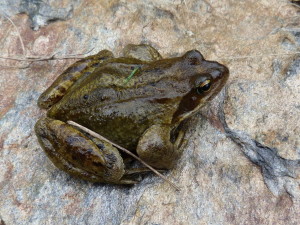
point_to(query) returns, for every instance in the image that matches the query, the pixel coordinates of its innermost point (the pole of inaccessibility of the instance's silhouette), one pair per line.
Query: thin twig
(76, 56)
(19, 35)
(39, 58)
(256, 56)
(16, 67)
(124, 150)
(44, 58)
(84, 53)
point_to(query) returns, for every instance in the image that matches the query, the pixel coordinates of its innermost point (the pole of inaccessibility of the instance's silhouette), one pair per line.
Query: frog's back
(119, 109)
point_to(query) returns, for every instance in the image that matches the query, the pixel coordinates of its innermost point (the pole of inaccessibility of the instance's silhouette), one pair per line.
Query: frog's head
(204, 81)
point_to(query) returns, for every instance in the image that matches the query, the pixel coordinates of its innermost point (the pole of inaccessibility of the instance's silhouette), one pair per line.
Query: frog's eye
(204, 86)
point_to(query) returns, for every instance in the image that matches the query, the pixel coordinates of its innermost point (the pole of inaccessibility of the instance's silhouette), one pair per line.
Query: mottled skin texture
(138, 113)
(80, 69)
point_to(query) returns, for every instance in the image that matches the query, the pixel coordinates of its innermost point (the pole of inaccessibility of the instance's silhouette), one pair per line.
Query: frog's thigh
(142, 52)
(155, 148)
(68, 78)
(72, 151)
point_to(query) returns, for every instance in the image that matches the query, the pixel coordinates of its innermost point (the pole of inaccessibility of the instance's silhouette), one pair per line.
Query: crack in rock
(280, 175)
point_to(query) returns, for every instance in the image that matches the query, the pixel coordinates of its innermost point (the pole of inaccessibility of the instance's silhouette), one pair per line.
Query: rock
(40, 12)
(241, 162)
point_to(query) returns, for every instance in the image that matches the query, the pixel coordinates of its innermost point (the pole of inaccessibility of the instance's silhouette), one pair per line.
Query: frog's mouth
(186, 111)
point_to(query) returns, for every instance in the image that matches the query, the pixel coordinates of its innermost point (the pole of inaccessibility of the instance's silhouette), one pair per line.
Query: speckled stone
(239, 168)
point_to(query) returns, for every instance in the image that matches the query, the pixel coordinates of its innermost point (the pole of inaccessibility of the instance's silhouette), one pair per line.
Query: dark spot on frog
(69, 75)
(89, 150)
(73, 139)
(87, 73)
(102, 58)
(98, 164)
(111, 158)
(61, 89)
(97, 64)
(154, 70)
(100, 146)
(135, 67)
(161, 100)
(77, 68)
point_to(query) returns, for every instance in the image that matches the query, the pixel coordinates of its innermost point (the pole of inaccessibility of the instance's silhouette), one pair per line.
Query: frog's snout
(224, 73)
(220, 73)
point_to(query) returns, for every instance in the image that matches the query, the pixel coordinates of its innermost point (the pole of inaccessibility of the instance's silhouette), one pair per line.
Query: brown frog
(137, 101)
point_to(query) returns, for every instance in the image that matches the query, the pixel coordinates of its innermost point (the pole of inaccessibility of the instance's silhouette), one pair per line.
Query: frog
(138, 100)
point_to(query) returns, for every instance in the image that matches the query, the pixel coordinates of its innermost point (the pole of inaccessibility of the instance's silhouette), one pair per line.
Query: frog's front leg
(68, 78)
(80, 155)
(156, 149)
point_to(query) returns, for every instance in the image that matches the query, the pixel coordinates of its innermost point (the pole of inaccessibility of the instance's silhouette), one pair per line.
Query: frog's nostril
(216, 74)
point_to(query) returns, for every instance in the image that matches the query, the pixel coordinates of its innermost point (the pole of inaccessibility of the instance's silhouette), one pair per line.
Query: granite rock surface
(241, 163)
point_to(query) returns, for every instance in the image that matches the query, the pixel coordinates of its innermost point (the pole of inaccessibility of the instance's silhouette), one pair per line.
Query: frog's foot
(142, 52)
(68, 78)
(75, 153)
(156, 149)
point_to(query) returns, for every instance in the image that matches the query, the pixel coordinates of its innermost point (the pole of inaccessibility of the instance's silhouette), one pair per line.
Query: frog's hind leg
(130, 174)
(75, 153)
(142, 52)
(79, 69)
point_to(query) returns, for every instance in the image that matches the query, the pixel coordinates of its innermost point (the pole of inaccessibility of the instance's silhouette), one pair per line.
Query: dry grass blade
(124, 150)
(19, 35)
(255, 56)
(16, 67)
(45, 58)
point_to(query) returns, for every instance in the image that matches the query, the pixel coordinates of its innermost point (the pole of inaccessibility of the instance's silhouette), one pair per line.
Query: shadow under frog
(139, 113)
